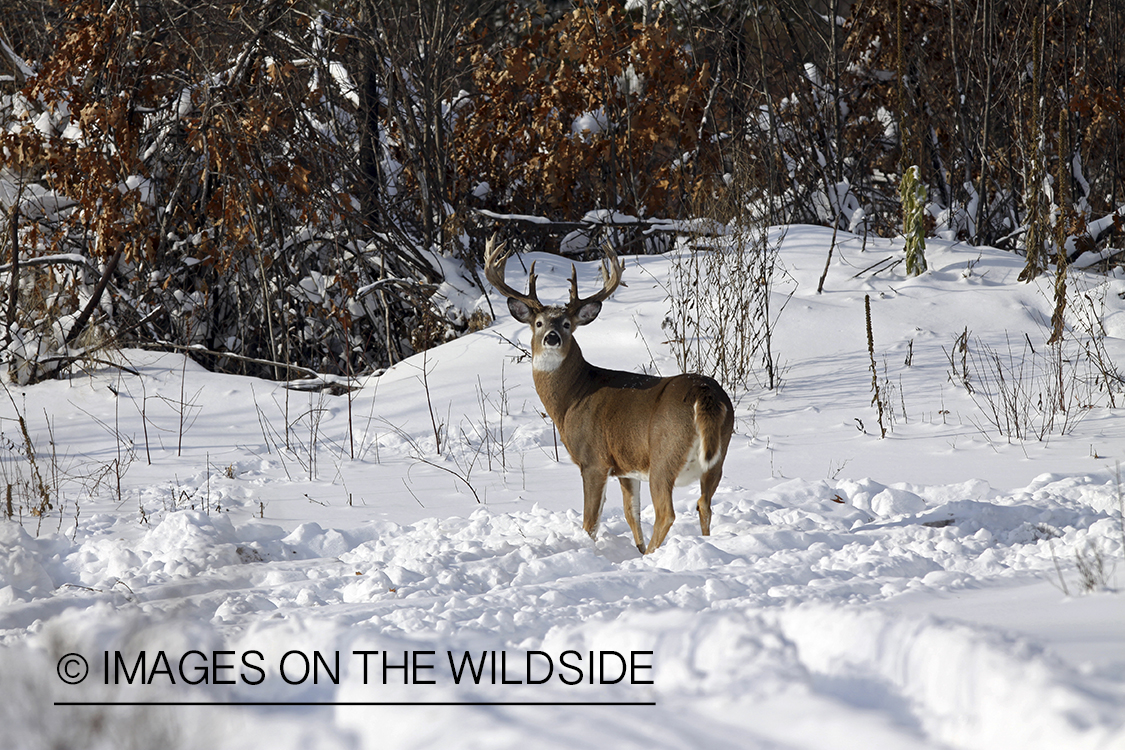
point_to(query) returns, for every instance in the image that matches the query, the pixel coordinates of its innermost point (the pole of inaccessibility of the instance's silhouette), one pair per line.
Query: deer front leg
(593, 491)
(630, 492)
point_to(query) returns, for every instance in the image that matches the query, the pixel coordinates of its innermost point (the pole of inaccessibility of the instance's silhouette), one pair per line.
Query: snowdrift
(226, 563)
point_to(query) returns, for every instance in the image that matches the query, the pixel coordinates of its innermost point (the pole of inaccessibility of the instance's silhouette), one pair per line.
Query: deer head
(552, 326)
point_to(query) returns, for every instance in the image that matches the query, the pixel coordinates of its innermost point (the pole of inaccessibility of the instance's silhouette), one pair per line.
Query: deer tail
(712, 415)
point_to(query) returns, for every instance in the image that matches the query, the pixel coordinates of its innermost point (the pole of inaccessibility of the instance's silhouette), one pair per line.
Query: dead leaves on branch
(149, 133)
(595, 110)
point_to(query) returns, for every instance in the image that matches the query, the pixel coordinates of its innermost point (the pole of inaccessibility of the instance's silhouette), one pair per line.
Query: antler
(495, 258)
(611, 279)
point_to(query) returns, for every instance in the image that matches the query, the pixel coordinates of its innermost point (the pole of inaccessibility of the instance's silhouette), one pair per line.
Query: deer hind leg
(593, 490)
(707, 485)
(661, 488)
(630, 492)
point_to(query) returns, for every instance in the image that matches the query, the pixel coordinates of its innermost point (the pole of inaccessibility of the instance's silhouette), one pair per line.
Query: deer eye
(566, 326)
(539, 324)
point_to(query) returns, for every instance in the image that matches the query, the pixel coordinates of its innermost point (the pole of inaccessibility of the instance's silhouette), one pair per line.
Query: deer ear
(587, 313)
(519, 310)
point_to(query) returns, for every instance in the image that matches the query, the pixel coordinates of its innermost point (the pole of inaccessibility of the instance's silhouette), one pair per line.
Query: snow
(378, 549)
(589, 124)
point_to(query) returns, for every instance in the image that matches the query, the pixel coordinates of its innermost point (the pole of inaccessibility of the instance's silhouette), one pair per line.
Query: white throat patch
(547, 360)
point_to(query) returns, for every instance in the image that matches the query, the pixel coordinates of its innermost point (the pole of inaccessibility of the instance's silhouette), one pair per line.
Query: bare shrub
(1028, 393)
(724, 294)
(723, 313)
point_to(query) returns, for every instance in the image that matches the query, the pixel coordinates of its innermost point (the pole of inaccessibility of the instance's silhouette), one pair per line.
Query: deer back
(627, 422)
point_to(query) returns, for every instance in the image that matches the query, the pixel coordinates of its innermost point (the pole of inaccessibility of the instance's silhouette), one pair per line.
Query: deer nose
(552, 338)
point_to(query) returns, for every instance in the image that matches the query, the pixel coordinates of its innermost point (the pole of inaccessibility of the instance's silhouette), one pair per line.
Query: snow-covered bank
(855, 592)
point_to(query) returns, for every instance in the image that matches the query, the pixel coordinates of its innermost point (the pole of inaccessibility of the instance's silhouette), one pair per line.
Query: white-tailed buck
(667, 431)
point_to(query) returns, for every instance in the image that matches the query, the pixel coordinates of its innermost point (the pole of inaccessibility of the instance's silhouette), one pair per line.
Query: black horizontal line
(355, 703)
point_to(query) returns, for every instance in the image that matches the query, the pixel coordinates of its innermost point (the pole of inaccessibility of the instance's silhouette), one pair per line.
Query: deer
(668, 431)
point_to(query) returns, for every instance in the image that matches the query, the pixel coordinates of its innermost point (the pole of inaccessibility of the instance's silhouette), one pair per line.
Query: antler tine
(495, 258)
(611, 278)
(573, 284)
(531, 277)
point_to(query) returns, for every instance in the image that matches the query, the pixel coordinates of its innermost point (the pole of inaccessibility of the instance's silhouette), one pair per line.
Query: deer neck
(561, 383)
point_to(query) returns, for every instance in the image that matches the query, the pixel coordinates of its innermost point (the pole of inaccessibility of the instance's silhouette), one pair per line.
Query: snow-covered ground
(329, 576)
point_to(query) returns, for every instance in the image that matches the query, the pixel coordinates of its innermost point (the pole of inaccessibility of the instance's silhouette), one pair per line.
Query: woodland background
(292, 186)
